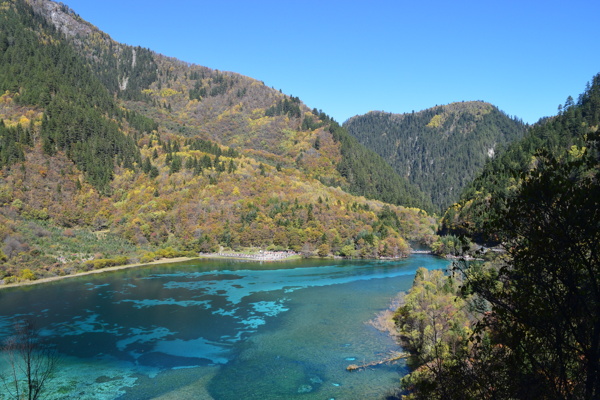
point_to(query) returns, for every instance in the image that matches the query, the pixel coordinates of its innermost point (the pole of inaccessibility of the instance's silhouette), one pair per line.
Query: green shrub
(148, 257)
(106, 262)
(27, 275)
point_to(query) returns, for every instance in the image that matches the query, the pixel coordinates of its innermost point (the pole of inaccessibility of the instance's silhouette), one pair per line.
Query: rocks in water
(305, 389)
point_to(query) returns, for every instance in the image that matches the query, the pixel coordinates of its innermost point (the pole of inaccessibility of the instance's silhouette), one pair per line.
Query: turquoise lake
(219, 329)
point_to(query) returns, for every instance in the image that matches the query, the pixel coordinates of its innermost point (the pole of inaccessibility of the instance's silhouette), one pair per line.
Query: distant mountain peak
(439, 149)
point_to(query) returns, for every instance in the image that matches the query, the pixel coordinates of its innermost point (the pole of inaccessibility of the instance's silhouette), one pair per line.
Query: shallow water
(216, 329)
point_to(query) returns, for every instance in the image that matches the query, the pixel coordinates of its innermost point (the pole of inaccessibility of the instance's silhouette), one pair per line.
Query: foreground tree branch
(32, 362)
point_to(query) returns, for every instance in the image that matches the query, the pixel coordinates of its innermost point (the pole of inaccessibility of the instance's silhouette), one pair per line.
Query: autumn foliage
(112, 154)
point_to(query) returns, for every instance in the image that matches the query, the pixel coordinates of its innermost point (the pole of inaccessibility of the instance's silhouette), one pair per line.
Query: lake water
(218, 329)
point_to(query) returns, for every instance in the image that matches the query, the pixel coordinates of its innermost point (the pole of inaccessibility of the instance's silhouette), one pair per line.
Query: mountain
(440, 149)
(564, 137)
(232, 110)
(110, 152)
(534, 308)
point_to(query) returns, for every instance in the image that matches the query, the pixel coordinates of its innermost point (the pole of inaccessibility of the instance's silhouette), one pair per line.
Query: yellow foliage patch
(436, 121)
(168, 92)
(6, 98)
(576, 152)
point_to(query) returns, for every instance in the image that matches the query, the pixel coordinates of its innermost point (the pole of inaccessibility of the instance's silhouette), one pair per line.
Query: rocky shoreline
(261, 256)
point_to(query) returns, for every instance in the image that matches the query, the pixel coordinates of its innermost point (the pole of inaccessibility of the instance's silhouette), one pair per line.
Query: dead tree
(32, 362)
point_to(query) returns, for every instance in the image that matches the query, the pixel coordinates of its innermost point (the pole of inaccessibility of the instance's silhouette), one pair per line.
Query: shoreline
(215, 256)
(266, 256)
(156, 262)
(97, 271)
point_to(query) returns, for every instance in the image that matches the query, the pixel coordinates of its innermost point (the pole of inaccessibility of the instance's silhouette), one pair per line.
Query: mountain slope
(110, 152)
(539, 301)
(233, 110)
(38, 70)
(563, 136)
(440, 149)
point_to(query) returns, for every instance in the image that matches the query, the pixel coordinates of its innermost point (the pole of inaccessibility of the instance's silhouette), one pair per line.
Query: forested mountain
(79, 111)
(562, 136)
(233, 110)
(440, 149)
(526, 324)
(109, 150)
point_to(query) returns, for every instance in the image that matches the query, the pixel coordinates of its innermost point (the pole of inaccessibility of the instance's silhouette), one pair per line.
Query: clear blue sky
(350, 57)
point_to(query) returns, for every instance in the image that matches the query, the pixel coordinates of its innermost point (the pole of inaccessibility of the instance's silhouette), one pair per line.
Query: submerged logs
(392, 358)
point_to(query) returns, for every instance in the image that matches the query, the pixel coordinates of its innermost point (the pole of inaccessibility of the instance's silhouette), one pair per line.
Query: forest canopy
(534, 310)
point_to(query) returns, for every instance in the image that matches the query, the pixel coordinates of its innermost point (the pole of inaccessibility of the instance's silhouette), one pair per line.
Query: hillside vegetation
(526, 324)
(111, 153)
(233, 110)
(440, 149)
(563, 137)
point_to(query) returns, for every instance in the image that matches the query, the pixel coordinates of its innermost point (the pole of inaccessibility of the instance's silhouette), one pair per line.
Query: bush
(348, 251)
(106, 262)
(148, 257)
(323, 250)
(27, 275)
(166, 253)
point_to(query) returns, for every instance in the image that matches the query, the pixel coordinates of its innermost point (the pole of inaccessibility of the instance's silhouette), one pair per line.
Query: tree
(569, 103)
(323, 250)
(231, 167)
(308, 250)
(261, 167)
(546, 308)
(538, 306)
(176, 164)
(32, 363)
(348, 251)
(13, 246)
(432, 324)
(146, 165)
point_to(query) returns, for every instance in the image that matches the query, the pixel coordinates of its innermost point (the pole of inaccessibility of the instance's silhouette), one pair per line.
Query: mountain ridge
(441, 148)
(232, 120)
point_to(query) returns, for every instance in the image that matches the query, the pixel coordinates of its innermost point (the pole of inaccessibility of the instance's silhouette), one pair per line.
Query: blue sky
(351, 57)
